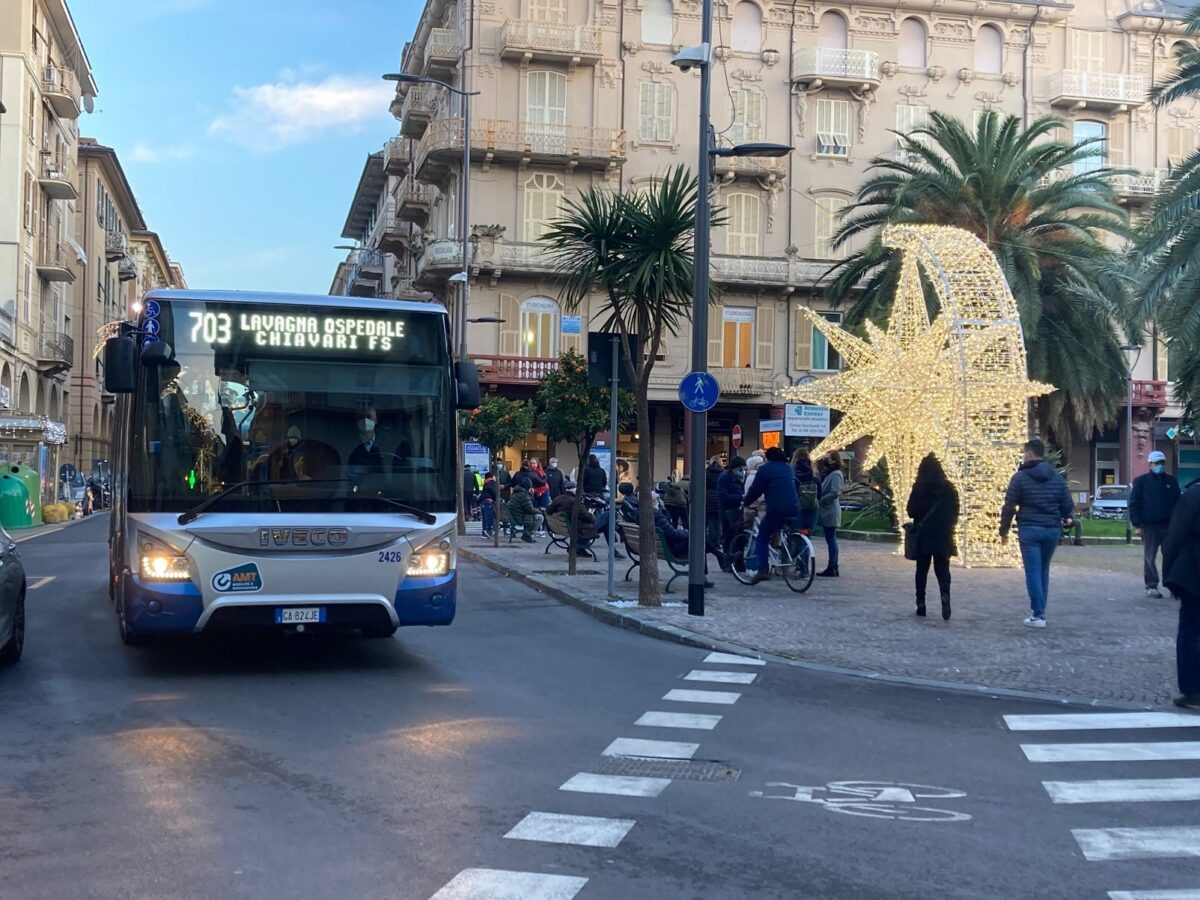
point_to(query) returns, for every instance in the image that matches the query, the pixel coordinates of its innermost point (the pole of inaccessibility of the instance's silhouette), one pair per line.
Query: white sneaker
(1154, 592)
(1035, 621)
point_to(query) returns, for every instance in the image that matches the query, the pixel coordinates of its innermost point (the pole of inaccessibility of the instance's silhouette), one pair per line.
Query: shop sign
(802, 420)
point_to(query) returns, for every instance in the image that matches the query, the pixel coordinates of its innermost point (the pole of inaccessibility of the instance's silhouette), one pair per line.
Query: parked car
(12, 601)
(1110, 502)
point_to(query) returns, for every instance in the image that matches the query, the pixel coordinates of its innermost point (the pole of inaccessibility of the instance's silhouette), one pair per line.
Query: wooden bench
(678, 567)
(558, 527)
(631, 534)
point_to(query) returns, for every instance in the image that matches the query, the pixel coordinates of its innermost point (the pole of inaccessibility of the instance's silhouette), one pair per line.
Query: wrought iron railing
(55, 347)
(506, 136)
(745, 382)
(396, 155)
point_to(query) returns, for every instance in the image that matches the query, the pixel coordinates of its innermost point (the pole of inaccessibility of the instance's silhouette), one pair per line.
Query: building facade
(579, 94)
(45, 85)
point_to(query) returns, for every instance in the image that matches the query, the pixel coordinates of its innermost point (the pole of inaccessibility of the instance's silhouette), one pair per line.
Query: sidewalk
(1105, 642)
(24, 534)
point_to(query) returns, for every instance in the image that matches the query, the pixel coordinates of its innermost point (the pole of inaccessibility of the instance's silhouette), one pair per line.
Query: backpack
(808, 495)
(674, 495)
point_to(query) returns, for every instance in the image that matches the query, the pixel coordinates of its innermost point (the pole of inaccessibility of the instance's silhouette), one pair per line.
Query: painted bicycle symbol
(873, 799)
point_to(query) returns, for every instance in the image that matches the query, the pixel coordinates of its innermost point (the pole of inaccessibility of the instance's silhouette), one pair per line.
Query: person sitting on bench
(521, 510)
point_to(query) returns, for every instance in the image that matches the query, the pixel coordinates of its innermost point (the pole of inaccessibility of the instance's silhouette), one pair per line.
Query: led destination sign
(324, 332)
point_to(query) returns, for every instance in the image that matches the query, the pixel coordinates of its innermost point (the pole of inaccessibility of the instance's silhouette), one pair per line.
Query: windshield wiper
(426, 517)
(200, 507)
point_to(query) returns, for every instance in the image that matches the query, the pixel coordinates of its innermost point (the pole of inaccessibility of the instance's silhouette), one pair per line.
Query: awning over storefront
(32, 428)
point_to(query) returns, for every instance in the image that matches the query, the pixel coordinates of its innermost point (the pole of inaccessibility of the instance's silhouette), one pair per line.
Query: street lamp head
(691, 57)
(458, 278)
(488, 320)
(402, 77)
(759, 149)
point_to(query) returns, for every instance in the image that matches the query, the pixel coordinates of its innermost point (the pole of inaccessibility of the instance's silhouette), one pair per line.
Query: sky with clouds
(243, 126)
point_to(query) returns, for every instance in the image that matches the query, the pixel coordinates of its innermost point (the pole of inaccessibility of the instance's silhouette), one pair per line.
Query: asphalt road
(349, 768)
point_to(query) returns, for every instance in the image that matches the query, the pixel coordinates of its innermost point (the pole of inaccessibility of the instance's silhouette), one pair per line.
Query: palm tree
(1045, 208)
(1168, 249)
(636, 249)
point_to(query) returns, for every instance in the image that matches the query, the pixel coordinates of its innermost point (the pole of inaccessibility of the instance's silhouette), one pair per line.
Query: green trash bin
(33, 483)
(15, 506)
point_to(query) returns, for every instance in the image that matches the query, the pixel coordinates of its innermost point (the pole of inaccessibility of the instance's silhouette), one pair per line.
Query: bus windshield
(355, 401)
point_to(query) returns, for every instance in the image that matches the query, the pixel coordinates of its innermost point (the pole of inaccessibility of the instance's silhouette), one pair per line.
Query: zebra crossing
(1112, 841)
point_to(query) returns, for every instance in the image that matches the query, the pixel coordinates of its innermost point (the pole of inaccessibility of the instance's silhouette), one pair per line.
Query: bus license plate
(303, 615)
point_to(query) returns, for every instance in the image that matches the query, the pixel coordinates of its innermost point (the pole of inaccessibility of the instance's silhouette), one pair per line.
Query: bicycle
(794, 558)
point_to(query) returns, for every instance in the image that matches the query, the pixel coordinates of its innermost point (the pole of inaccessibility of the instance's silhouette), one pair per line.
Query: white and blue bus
(283, 462)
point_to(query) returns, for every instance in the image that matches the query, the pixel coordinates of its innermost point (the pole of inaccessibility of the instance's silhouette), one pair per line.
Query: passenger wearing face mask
(1151, 503)
(731, 488)
(291, 460)
(366, 456)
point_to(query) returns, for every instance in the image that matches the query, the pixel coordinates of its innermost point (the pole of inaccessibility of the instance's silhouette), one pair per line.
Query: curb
(28, 534)
(677, 635)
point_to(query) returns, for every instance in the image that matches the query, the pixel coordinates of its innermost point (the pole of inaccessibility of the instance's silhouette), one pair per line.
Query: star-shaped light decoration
(956, 387)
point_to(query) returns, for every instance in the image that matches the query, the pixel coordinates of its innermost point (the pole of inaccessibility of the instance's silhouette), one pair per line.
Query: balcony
(1139, 186)
(1150, 394)
(127, 270)
(394, 232)
(442, 52)
(1077, 89)
(730, 167)
(744, 382)
(55, 352)
(527, 40)
(440, 259)
(396, 156)
(815, 66)
(759, 271)
(523, 142)
(116, 246)
(56, 261)
(420, 106)
(366, 273)
(525, 370)
(57, 177)
(414, 201)
(60, 89)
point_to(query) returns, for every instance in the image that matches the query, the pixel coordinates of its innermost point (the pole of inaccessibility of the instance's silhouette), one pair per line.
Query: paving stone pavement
(1106, 641)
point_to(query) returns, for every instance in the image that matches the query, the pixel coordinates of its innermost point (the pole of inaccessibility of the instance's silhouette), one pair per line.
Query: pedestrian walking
(933, 507)
(468, 491)
(1151, 503)
(808, 490)
(1041, 502)
(555, 479)
(775, 482)
(731, 488)
(829, 509)
(1181, 575)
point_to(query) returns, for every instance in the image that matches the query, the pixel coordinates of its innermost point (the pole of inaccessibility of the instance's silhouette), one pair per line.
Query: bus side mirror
(120, 365)
(466, 380)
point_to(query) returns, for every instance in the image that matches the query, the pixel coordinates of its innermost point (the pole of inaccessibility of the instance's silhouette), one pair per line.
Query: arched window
(747, 28)
(1089, 131)
(833, 34)
(539, 328)
(989, 50)
(546, 108)
(745, 219)
(749, 114)
(543, 202)
(658, 24)
(911, 52)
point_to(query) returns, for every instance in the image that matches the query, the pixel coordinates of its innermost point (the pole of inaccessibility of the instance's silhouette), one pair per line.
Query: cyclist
(775, 482)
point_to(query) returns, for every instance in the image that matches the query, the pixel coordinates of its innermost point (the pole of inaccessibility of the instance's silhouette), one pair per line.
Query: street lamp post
(701, 58)
(462, 278)
(1133, 353)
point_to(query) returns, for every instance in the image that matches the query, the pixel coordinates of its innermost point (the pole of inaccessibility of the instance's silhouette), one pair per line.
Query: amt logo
(239, 580)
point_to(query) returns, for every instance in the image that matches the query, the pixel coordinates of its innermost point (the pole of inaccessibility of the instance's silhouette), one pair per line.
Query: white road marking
(499, 884)
(1101, 721)
(723, 698)
(617, 785)
(583, 831)
(678, 720)
(1154, 895)
(29, 537)
(1139, 752)
(654, 749)
(731, 659)
(42, 582)
(720, 677)
(1124, 790)
(1100, 844)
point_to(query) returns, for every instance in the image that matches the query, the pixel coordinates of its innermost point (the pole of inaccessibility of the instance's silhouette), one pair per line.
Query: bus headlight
(431, 560)
(160, 563)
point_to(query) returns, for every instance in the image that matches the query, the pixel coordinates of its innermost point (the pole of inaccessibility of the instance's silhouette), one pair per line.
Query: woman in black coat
(933, 506)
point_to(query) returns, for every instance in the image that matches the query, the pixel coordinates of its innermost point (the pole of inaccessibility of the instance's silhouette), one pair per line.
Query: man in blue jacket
(775, 482)
(1041, 501)
(730, 491)
(1151, 503)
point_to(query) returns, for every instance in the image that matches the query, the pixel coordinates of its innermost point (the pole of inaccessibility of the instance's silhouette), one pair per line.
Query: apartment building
(574, 94)
(154, 266)
(45, 84)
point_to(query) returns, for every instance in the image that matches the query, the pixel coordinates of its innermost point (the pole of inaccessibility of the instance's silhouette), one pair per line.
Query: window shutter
(510, 330)
(665, 112)
(1117, 148)
(804, 331)
(754, 115)
(764, 356)
(647, 97)
(715, 315)
(1164, 370)
(570, 341)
